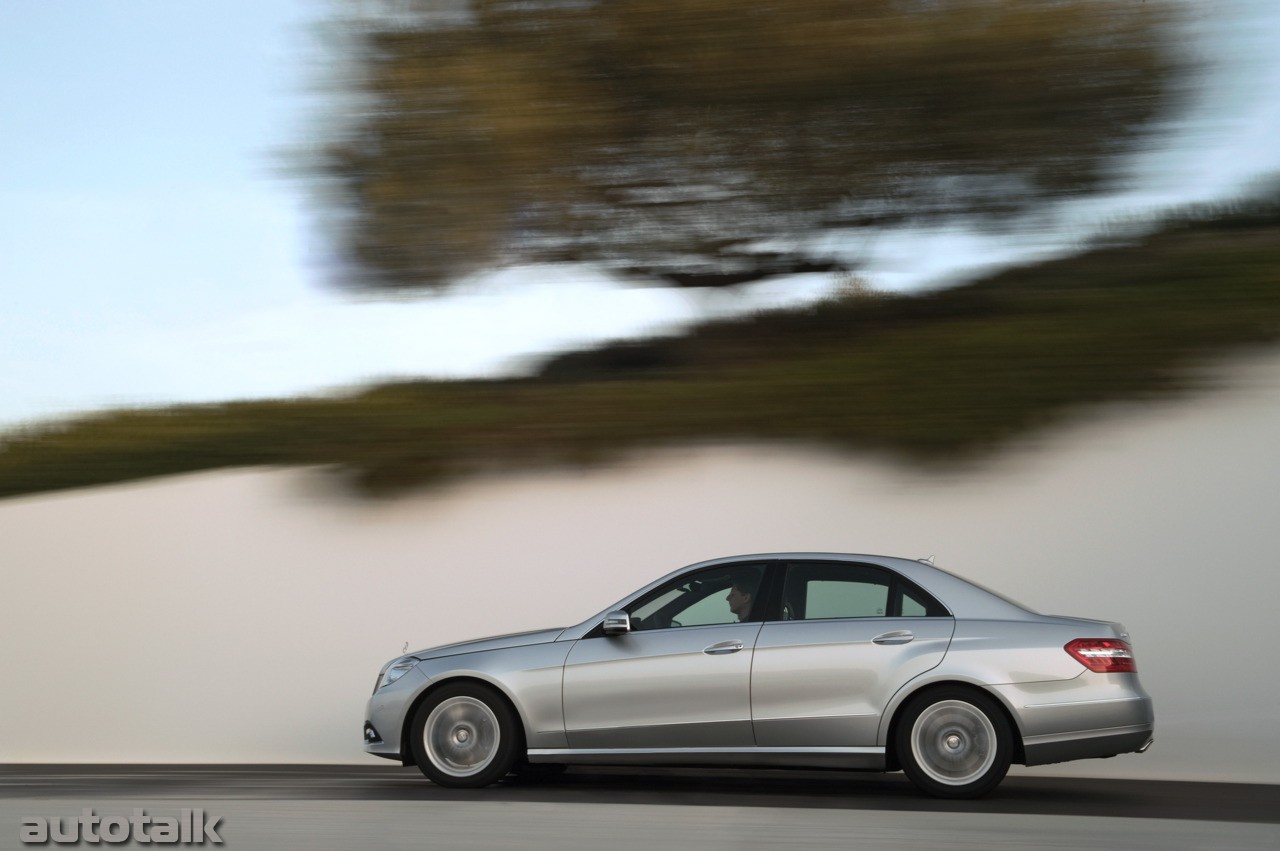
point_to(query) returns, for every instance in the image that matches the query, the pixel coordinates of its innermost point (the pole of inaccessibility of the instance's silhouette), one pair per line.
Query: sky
(154, 251)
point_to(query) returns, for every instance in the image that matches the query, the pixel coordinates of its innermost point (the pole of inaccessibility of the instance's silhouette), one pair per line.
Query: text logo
(191, 827)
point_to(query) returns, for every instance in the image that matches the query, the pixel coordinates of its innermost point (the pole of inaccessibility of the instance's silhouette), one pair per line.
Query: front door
(680, 679)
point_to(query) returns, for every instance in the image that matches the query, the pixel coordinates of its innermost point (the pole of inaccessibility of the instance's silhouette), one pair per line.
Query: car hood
(497, 642)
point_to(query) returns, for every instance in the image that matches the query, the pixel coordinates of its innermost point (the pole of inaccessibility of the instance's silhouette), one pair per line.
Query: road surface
(590, 807)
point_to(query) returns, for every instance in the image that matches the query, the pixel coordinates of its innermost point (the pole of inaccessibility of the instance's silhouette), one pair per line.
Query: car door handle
(732, 646)
(897, 636)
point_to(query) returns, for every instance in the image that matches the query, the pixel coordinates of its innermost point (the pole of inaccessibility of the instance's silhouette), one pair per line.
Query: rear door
(849, 636)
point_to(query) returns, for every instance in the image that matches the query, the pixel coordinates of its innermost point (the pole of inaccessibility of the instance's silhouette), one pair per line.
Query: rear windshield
(982, 587)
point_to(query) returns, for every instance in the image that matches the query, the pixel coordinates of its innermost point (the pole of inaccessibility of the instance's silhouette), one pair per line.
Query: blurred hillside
(930, 378)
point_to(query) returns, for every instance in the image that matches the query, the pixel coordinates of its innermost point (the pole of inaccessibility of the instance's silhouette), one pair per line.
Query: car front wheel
(465, 736)
(954, 743)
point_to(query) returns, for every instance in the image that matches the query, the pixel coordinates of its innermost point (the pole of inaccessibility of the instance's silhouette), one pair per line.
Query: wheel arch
(406, 730)
(889, 729)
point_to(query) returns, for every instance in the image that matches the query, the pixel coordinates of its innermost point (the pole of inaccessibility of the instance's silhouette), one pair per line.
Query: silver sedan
(787, 659)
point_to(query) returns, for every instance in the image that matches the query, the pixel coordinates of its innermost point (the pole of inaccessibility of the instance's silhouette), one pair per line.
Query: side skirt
(862, 759)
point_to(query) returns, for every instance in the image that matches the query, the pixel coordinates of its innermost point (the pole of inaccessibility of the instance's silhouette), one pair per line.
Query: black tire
(954, 742)
(473, 740)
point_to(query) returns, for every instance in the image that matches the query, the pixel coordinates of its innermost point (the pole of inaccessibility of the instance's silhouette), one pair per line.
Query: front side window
(718, 595)
(823, 591)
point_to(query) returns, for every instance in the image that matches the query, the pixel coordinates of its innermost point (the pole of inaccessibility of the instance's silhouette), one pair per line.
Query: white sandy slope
(242, 616)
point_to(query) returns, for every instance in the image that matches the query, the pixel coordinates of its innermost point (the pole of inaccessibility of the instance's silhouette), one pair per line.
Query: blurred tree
(677, 136)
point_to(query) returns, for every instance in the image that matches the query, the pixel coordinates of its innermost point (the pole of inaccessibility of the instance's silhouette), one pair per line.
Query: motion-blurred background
(331, 326)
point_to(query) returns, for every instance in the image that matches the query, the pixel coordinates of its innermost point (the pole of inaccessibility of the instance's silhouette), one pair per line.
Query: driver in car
(739, 599)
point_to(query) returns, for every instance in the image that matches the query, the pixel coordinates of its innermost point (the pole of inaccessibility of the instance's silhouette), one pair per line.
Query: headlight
(398, 669)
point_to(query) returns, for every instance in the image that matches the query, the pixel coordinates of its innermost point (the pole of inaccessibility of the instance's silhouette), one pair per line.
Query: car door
(850, 635)
(681, 678)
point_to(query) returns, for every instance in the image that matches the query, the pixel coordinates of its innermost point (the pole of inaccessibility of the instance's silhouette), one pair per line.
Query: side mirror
(617, 623)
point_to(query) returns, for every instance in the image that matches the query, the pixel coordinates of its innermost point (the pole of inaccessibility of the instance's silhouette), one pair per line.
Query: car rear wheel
(954, 743)
(465, 736)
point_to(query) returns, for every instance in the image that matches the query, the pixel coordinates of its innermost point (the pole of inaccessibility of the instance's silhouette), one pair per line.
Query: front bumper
(385, 715)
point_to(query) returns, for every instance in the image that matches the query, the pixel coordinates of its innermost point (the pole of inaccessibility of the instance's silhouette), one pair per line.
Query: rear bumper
(1094, 744)
(1088, 717)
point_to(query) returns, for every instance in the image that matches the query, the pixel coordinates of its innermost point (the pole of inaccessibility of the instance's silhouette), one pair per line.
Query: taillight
(1103, 655)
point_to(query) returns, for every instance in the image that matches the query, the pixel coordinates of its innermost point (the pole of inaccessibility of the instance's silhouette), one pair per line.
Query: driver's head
(739, 599)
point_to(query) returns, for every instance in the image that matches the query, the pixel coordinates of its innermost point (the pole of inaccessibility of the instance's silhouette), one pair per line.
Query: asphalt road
(327, 808)
(835, 790)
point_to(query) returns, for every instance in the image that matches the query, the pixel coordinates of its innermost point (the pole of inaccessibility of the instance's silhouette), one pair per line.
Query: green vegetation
(930, 378)
(666, 135)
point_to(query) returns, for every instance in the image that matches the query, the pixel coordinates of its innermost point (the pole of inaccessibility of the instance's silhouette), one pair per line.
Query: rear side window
(912, 605)
(824, 590)
(839, 598)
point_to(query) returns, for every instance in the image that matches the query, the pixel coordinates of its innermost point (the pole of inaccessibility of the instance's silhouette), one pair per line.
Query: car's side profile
(786, 659)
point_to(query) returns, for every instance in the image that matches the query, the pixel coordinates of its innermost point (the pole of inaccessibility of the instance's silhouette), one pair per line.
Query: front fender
(531, 677)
